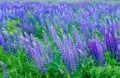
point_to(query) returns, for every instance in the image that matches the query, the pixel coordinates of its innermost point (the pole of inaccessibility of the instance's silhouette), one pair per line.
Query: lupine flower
(106, 40)
(10, 43)
(70, 54)
(111, 42)
(79, 42)
(96, 50)
(27, 48)
(40, 49)
(77, 39)
(57, 40)
(90, 18)
(36, 56)
(66, 52)
(72, 61)
(85, 29)
(74, 50)
(5, 72)
(50, 53)
(118, 53)
(43, 52)
(3, 42)
(115, 44)
(16, 41)
(33, 51)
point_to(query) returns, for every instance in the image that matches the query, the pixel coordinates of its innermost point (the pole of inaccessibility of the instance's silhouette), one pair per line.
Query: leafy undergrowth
(19, 66)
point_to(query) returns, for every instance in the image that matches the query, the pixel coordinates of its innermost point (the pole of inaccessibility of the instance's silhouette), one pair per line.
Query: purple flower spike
(43, 52)
(77, 39)
(27, 48)
(72, 61)
(3, 42)
(40, 49)
(74, 50)
(79, 42)
(57, 40)
(38, 60)
(97, 51)
(50, 53)
(65, 54)
(16, 41)
(111, 42)
(119, 53)
(5, 72)
(10, 43)
(70, 54)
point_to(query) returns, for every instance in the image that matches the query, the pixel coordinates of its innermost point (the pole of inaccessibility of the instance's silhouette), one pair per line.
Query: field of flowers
(63, 40)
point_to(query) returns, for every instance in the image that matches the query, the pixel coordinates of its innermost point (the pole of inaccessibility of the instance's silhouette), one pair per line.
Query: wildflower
(5, 72)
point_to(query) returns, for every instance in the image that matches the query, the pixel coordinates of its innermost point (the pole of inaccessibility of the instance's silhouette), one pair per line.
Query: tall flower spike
(111, 42)
(72, 61)
(38, 60)
(71, 58)
(115, 44)
(57, 40)
(119, 53)
(43, 52)
(74, 50)
(27, 48)
(97, 51)
(3, 42)
(78, 40)
(11, 47)
(50, 53)
(66, 52)
(5, 72)
(40, 49)
(106, 40)
(100, 51)
(16, 41)
(53, 32)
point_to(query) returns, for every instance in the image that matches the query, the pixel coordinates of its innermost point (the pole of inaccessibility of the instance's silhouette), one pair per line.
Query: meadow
(62, 40)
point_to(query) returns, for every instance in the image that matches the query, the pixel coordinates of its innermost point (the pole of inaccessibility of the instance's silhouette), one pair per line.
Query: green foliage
(1, 55)
(118, 32)
(99, 35)
(11, 25)
(39, 31)
(18, 65)
(110, 60)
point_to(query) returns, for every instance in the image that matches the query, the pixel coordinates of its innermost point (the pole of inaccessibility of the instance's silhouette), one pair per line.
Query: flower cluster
(78, 30)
